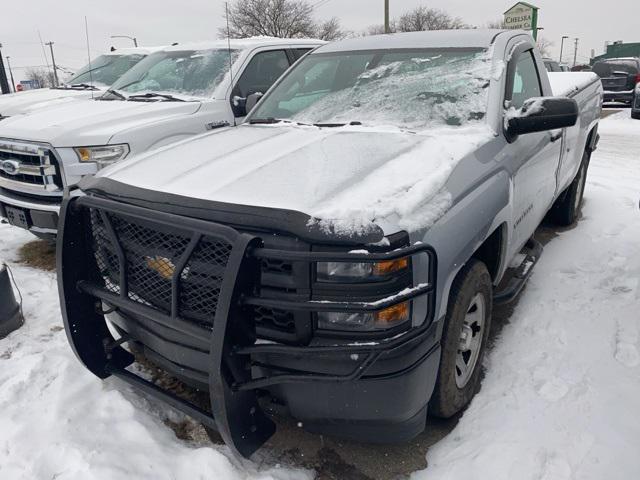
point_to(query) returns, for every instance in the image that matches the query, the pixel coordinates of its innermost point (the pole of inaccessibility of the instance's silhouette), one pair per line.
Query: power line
(319, 4)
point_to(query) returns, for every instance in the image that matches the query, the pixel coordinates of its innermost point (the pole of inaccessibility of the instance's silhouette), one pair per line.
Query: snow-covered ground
(559, 400)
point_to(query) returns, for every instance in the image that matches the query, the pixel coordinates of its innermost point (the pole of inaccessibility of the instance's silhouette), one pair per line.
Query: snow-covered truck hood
(90, 122)
(349, 179)
(32, 100)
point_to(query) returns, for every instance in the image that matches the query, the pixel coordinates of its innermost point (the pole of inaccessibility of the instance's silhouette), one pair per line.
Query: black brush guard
(235, 412)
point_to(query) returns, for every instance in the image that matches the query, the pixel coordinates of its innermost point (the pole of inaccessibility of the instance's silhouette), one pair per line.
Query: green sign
(522, 16)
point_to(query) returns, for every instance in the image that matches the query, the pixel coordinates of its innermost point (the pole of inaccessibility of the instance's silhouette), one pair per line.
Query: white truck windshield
(187, 73)
(105, 70)
(412, 89)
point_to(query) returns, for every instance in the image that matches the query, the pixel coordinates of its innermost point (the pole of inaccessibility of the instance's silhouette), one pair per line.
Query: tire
(566, 209)
(454, 388)
(635, 115)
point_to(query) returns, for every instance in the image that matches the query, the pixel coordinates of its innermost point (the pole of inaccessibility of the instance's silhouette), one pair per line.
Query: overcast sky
(158, 22)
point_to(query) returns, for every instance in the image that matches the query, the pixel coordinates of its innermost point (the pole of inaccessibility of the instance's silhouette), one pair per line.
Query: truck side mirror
(541, 114)
(252, 100)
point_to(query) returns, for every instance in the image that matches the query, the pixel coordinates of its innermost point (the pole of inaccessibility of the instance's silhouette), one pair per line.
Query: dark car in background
(619, 78)
(552, 65)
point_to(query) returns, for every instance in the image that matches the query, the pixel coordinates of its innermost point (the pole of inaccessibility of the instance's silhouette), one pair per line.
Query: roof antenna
(226, 9)
(86, 31)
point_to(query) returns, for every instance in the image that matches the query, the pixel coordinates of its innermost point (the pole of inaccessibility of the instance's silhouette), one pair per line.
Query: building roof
(522, 3)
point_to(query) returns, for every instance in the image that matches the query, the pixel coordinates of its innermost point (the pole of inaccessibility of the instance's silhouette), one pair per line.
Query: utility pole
(386, 17)
(561, 46)
(575, 52)
(4, 85)
(53, 61)
(13, 82)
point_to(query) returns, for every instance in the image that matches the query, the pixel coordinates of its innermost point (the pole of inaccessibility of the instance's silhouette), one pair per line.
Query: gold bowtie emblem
(161, 265)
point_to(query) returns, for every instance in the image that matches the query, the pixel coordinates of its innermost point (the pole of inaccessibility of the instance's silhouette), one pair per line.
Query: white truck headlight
(102, 155)
(365, 322)
(359, 272)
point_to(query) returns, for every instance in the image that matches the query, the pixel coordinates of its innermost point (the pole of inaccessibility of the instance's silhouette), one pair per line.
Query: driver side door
(535, 157)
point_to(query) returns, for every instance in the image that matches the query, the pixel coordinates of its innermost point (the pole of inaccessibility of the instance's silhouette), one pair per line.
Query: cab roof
(471, 38)
(244, 43)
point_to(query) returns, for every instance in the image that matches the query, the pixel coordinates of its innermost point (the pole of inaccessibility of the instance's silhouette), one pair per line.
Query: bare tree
(274, 18)
(423, 18)
(330, 30)
(43, 76)
(498, 24)
(544, 46)
(379, 29)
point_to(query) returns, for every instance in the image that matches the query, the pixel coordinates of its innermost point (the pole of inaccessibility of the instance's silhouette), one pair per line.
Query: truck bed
(567, 84)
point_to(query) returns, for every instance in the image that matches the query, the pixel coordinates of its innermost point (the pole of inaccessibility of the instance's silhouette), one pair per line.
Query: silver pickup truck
(340, 252)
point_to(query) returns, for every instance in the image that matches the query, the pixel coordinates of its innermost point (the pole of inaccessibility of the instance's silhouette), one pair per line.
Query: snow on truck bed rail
(566, 83)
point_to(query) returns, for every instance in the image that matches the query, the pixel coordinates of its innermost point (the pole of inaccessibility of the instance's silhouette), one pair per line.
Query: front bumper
(377, 386)
(621, 97)
(24, 212)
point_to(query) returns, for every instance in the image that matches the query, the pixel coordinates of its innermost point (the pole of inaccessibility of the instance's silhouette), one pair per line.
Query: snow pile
(407, 191)
(566, 83)
(560, 397)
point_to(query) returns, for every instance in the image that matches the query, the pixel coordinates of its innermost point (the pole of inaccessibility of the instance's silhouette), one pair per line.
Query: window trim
(245, 66)
(519, 50)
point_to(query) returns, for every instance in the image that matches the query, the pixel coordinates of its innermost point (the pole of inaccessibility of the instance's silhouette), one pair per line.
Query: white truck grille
(29, 168)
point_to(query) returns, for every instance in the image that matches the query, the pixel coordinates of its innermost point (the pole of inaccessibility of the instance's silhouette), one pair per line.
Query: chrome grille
(29, 168)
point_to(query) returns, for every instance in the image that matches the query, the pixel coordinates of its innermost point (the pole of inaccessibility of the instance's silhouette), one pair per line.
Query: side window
(263, 70)
(300, 52)
(526, 82)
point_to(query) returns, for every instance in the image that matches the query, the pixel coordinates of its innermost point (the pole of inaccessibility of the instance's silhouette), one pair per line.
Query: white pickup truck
(88, 82)
(177, 92)
(340, 252)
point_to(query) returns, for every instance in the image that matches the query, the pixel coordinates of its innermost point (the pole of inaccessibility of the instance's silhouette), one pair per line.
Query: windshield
(105, 69)
(191, 73)
(413, 89)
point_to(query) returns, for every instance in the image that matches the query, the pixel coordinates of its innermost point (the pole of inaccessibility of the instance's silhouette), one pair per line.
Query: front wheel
(567, 207)
(464, 338)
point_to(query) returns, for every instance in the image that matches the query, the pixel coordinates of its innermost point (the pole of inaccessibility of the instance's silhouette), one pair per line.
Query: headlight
(363, 322)
(360, 272)
(102, 155)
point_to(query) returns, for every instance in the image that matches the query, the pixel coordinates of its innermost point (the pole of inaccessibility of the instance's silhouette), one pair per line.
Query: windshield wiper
(85, 86)
(333, 125)
(113, 92)
(269, 120)
(150, 95)
(75, 86)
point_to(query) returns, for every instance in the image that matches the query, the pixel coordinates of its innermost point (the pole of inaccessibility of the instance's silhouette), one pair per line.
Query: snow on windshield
(415, 90)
